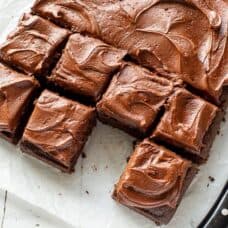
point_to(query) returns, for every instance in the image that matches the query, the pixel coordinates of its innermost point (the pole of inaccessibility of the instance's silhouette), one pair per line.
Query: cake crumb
(224, 119)
(87, 192)
(106, 166)
(94, 168)
(207, 185)
(212, 179)
(127, 159)
(84, 155)
(135, 143)
(60, 194)
(37, 225)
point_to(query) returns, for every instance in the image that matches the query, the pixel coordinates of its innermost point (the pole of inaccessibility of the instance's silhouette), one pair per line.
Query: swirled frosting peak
(153, 178)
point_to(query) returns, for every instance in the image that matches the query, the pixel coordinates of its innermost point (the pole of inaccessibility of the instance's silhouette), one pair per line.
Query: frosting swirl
(153, 177)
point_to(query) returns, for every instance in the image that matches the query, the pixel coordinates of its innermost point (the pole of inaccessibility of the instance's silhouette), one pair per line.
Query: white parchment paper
(83, 199)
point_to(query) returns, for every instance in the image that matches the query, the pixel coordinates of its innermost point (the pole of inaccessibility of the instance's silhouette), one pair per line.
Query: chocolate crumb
(87, 192)
(94, 168)
(84, 155)
(218, 132)
(212, 179)
(207, 185)
(224, 119)
(127, 159)
(135, 142)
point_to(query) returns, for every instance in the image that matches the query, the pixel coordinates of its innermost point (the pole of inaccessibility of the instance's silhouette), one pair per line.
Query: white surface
(65, 197)
(16, 213)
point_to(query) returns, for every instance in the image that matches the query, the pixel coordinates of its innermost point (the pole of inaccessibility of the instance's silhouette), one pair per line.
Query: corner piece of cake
(154, 181)
(33, 46)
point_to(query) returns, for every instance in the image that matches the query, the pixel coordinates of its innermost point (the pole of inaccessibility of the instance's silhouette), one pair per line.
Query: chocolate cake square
(57, 130)
(134, 99)
(154, 181)
(190, 123)
(86, 66)
(16, 97)
(34, 44)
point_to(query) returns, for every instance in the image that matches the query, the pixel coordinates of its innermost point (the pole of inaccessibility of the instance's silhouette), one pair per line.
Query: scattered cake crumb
(224, 119)
(94, 168)
(84, 155)
(212, 179)
(127, 159)
(207, 185)
(87, 192)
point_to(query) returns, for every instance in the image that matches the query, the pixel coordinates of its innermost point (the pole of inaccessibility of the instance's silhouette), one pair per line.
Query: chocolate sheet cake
(86, 66)
(57, 130)
(174, 99)
(16, 97)
(186, 38)
(154, 181)
(32, 47)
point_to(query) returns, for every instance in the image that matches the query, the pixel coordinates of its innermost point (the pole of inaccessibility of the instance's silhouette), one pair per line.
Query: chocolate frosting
(32, 45)
(135, 97)
(15, 91)
(59, 127)
(153, 178)
(186, 121)
(86, 65)
(187, 38)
